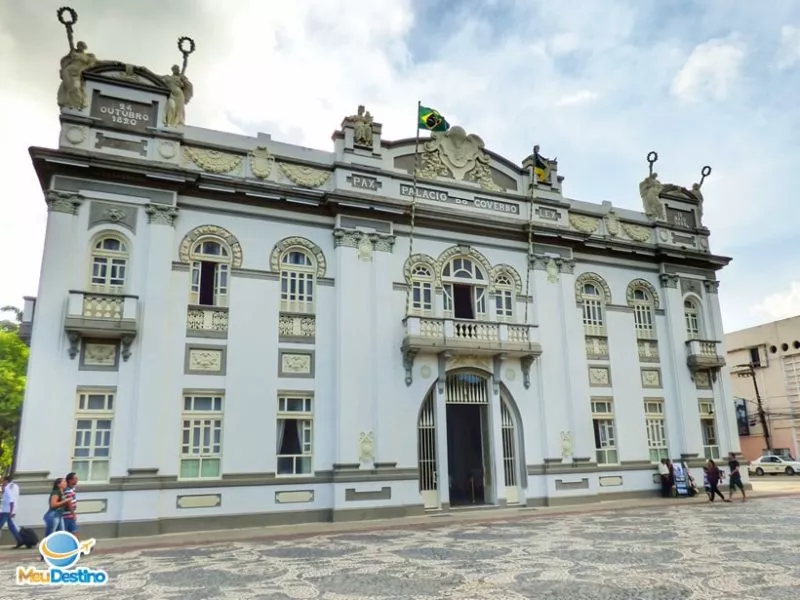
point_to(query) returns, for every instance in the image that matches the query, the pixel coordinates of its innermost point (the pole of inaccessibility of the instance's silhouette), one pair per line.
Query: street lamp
(748, 370)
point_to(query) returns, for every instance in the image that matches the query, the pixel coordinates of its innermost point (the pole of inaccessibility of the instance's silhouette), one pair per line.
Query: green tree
(5, 324)
(13, 366)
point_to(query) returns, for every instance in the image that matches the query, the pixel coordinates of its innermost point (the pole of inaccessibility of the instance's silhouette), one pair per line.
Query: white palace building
(234, 331)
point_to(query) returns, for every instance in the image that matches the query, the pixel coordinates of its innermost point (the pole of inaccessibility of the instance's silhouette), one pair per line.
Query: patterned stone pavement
(698, 551)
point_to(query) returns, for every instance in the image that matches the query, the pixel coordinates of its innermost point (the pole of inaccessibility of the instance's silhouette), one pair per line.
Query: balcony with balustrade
(466, 336)
(101, 316)
(704, 355)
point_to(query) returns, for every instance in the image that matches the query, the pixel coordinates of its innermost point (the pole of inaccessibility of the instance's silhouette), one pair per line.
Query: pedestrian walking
(70, 517)
(8, 507)
(735, 477)
(714, 476)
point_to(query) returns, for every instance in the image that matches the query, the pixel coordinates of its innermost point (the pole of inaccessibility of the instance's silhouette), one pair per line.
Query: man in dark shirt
(735, 477)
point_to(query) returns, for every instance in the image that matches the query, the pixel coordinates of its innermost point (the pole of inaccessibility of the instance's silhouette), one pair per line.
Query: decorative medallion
(583, 223)
(75, 134)
(167, 149)
(612, 223)
(425, 371)
(663, 235)
(304, 176)
(511, 374)
(261, 162)
(636, 232)
(212, 161)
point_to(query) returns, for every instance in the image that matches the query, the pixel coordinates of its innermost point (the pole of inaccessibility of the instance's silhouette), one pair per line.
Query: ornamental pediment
(117, 72)
(456, 155)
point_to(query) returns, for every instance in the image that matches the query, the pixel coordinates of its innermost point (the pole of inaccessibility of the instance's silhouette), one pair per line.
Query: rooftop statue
(362, 127)
(180, 88)
(71, 91)
(650, 189)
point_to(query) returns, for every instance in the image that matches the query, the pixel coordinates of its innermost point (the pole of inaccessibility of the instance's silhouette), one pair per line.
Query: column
(49, 367)
(727, 427)
(154, 412)
(440, 416)
(495, 426)
(683, 414)
(573, 354)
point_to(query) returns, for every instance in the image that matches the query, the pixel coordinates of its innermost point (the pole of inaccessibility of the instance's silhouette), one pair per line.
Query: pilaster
(157, 369)
(440, 417)
(683, 414)
(727, 427)
(49, 365)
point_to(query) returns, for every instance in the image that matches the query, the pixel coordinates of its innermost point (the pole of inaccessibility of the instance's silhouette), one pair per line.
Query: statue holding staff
(71, 91)
(180, 88)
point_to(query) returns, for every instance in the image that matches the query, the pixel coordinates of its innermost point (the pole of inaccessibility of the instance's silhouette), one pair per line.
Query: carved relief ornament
(261, 162)
(212, 161)
(188, 242)
(636, 232)
(287, 244)
(583, 223)
(595, 280)
(646, 286)
(459, 155)
(304, 176)
(160, 214)
(364, 242)
(63, 202)
(612, 223)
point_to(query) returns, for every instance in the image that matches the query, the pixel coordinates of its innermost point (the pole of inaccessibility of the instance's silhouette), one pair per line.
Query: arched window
(211, 263)
(421, 289)
(297, 281)
(643, 318)
(504, 297)
(691, 314)
(109, 264)
(464, 287)
(593, 305)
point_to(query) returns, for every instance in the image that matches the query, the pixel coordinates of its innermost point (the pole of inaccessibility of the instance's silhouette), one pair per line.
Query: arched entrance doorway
(471, 427)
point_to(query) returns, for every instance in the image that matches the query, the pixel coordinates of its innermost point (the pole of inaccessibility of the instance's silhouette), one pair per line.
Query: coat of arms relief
(457, 155)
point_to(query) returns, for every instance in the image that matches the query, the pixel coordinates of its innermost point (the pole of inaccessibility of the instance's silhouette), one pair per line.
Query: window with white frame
(691, 314)
(295, 434)
(504, 297)
(464, 289)
(94, 416)
(708, 427)
(643, 314)
(211, 263)
(593, 303)
(605, 439)
(656, 429)
(298, 271)
(421, 289)
(201, 436)
(109, 264)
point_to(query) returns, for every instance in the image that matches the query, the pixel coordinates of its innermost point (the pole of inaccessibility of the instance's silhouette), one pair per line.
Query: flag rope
(530, 236)
(413, 208)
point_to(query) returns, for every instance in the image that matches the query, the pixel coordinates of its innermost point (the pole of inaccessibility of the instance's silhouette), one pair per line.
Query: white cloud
(781, 305)
(789, 51)
(710, 70)
(578, 98)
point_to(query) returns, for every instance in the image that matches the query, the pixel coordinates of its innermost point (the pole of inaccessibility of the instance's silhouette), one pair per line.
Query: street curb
(391, 525)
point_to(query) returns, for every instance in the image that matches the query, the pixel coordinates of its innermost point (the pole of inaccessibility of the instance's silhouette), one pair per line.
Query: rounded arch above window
(194, 240)
(209, 248)
(463, 262)
(419, 266)
(112, 243)
(506, 276)
(297, 252)
(592, 284)
(640, 291)
(691, 303)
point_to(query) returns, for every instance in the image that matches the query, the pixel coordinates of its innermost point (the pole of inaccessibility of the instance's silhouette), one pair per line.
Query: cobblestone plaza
(697, 551)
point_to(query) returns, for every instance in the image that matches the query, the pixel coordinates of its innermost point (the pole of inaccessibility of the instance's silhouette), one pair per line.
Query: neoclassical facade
(235, 331)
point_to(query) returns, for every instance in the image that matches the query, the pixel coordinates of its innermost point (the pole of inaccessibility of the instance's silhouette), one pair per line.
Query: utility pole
(762, 415)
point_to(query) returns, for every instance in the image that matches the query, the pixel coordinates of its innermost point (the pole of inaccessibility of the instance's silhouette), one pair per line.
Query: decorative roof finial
(652, 157)
(704, 172)
(186, 46)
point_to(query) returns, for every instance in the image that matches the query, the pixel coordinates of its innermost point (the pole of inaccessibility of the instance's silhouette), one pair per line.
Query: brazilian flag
(431, 120)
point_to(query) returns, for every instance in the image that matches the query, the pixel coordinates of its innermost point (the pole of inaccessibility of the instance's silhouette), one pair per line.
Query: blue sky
(596, 83)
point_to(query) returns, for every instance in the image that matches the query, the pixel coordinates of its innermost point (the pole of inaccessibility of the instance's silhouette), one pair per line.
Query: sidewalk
(455, 516)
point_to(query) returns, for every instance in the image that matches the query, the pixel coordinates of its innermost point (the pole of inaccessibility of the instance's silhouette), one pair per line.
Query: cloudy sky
(597, 83)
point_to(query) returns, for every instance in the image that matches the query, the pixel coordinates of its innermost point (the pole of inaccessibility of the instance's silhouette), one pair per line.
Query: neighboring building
(774, 351)
(221, 337)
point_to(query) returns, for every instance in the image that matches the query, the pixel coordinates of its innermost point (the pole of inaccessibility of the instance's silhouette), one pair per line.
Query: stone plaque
(651, 378)
(442, 196)
(294, 497)
(92, 507)
(199, 501)
(548, 214)
(681, 218)
(101, 355)
(364, 183)
(124, 114)
(599, 376)
(610, 481)
(296, 364)
(205, 360)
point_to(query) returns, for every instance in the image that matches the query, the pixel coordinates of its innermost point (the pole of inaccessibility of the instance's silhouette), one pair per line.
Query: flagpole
(413, 205)
(530, 232)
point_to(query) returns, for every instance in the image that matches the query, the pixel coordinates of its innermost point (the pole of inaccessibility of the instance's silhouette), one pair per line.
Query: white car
(774, 465)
